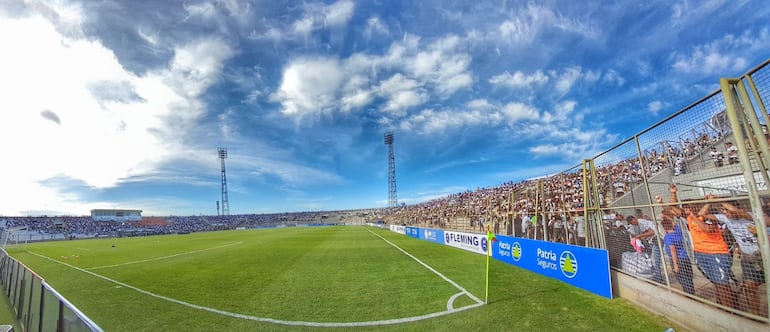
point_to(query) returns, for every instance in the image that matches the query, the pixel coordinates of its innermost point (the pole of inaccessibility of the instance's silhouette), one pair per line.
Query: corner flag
(490, 238)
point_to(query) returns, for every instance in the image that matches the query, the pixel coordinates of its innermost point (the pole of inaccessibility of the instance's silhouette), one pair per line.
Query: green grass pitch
(312, 278)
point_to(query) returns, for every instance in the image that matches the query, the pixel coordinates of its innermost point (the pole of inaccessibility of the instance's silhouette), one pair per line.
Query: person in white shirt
(645, 230)
(717, 156)
(732, 153)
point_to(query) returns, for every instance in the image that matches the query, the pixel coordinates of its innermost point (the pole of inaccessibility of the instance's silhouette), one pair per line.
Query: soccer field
(311, 278)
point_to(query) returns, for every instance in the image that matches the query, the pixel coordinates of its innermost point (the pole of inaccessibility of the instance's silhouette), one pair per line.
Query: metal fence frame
(37, 305)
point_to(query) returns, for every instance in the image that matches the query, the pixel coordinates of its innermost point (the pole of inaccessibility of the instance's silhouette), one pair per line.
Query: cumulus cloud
(518, 111)
(721, 55)
(403, 78)
(309, 86)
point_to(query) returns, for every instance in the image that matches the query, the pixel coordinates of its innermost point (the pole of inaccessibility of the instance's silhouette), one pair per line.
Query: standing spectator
(620, 188)
(717, 156)
(679, 166)
(580, 224)
(711, 252)
(518, 224)
(558, 229)
(673, 242)
(732, 153)
(741, 225)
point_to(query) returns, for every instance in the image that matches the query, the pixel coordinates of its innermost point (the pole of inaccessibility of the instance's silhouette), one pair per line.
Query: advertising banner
(432, 235)
(398, 229)
(467, 241)
(413, 232)
(586, 268)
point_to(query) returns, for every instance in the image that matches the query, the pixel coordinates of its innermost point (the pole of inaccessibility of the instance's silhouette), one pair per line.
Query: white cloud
(204, 10)
(98, 142)
(613, 77)
(721, 56)
(309, 86)
(443, 66)
(655, 106)
(197, 65)
(303, 26)
(339, 13)
(317, 16)
(566, 79)
(571, 143)
(515, 112)
(527, 23)
(375, 26)
(561, 112)
(401, 93)
(480, 113)
(519, 80)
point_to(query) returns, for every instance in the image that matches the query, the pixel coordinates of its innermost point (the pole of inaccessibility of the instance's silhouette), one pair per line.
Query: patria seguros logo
(516, 251)
(566, 262)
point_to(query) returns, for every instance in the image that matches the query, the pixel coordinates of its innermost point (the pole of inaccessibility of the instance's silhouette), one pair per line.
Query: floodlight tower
(225, 203)
(392, 200)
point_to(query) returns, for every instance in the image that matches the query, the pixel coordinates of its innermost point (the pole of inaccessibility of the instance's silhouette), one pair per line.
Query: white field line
(449, 310)
(432, 270)
(164, 257)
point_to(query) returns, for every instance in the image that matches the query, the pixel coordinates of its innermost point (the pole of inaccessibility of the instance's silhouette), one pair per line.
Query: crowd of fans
(501, 207)
(53, 227)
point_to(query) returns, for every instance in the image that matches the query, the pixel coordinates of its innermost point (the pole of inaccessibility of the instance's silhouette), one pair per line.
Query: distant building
(116, 215)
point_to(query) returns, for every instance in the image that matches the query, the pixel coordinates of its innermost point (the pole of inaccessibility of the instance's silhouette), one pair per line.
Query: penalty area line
(265, 319)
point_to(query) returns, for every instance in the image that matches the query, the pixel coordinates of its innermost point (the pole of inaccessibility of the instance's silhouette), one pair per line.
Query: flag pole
(486, 287)
(490, 238)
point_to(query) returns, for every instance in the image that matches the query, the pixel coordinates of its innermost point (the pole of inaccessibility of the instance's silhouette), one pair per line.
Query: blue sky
(123, 104)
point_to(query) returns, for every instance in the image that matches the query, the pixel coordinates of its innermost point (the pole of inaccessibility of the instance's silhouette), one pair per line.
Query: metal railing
(38, 306)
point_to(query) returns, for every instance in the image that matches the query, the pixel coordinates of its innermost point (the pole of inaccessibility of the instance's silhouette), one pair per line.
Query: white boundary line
(449, 310)
(462, 290)
(164, 257)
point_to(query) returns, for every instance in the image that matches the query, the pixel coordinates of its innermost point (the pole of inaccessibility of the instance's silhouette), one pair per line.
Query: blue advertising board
(413, 232)
(432, 235)
(586, 268)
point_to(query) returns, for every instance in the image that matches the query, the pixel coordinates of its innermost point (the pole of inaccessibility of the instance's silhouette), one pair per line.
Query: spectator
(741, 225)
(711, 252)
(580, 227)
(717, 156)
(643, 229)
(518, 222)
(732, 153)
(673, 242)
(558, 229)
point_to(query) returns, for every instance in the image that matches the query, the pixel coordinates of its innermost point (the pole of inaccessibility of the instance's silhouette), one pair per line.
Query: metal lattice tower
(225, 203)
(392, 198)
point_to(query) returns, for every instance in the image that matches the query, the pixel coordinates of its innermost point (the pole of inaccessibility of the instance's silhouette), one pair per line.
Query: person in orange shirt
(711, 252)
